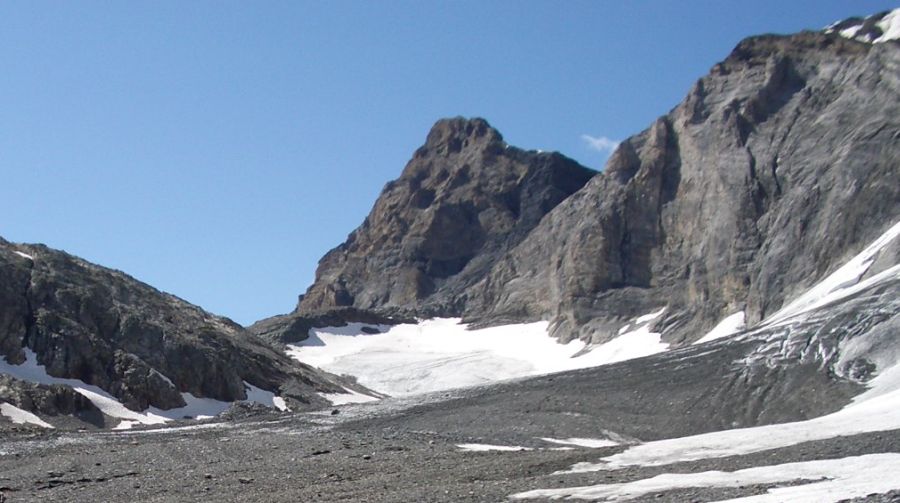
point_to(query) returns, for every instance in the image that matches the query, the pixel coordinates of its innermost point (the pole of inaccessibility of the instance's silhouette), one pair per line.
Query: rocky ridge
(144, 347)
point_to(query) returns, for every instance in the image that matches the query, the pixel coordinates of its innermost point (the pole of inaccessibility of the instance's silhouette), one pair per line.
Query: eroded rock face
(143, 346)
(464, 200)
(778, 166)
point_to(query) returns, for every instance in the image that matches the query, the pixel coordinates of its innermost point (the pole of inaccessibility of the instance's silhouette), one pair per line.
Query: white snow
(592, 443)
(880, 413)
(441, 354)
(23, 255)
(635, 344)
(489, 447)
(280, 404)
(264, 397)
(175, 429)
(889, 26)
(841, 283)
(844, 478)
(162, 376)
(851, 31)
(730, 325)
(878, 409)
(649, 317)
(198, 408)
(349, 397)
(19, 416)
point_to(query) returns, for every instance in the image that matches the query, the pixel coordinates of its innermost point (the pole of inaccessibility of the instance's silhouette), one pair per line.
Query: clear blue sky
(217, 149)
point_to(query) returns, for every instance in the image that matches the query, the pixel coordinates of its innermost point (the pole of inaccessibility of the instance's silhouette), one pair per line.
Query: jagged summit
(875, 29)
(464, 199)
(456, 133)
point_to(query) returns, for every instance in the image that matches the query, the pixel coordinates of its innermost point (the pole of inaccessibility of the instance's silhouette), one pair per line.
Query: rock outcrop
(142, 346)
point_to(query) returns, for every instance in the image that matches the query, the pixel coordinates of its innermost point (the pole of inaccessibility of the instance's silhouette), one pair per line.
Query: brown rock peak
(451, 135)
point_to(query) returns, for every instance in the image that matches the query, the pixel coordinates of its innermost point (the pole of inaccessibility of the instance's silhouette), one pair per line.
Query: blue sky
(217, 150)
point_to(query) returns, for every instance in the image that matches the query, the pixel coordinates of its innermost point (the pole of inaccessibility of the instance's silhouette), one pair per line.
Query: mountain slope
(66, 321)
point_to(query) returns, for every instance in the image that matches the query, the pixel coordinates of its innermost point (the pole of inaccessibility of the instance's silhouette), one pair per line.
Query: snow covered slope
(442, 354)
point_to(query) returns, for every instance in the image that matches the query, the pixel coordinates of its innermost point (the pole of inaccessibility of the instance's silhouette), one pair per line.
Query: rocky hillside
(145, 348)
(778, 166)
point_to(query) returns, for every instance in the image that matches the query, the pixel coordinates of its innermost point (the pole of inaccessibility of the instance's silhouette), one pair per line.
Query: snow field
(440, 354)
(19, 416)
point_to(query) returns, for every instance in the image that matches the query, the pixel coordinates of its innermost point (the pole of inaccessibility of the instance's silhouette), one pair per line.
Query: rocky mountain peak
(452, 135)
(464, 198)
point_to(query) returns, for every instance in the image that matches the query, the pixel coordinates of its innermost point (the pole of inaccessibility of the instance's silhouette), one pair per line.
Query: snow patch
(851, 477)
(850, 32)
(263, 397)
(349, 397)
(440, 354)
(879, 413)
(889, 25)
(591, 443)
(24, 255)
(19, 416)
(176, 429)
(489, 447)
(841, 283)
(649, 317)
(730, 325)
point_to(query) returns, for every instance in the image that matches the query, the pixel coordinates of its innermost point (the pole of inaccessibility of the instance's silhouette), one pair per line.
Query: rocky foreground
(381, 452)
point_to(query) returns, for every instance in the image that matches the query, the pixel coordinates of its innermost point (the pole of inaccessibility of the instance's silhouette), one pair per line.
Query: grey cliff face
(777, 167)
(142, 346)
(464, 200)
